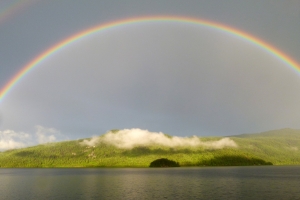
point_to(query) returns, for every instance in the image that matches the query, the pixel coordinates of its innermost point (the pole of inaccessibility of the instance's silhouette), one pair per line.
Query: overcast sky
(176, 78)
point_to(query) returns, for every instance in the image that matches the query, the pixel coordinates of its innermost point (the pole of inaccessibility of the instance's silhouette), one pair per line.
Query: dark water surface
(267, 182)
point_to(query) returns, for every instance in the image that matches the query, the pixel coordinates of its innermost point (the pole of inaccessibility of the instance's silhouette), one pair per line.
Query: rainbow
(13, 8)
(243, 35)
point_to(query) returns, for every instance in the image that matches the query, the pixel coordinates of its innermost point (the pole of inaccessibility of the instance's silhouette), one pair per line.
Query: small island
(164, 162)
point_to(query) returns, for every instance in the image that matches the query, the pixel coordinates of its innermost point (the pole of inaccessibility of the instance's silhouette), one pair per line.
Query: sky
(172, 77)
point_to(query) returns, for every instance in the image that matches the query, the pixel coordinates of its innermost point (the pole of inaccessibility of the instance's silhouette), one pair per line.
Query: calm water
(268, 182)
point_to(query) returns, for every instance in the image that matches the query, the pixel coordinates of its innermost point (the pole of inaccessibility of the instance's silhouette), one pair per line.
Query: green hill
(279, 147)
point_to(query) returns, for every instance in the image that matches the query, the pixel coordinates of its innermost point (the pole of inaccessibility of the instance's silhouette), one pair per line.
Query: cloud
(129, 138)
(46, 135)
(10, 139)
(92, 142)
(220, 144)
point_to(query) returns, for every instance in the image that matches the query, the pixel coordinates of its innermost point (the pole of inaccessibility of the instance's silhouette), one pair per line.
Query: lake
(259, 182)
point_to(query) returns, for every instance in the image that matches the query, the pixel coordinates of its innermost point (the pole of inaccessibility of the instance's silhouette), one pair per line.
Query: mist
(129, 138)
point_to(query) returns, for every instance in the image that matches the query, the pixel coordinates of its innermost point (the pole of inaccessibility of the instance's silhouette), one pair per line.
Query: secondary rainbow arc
(13, 8)
(268, 47)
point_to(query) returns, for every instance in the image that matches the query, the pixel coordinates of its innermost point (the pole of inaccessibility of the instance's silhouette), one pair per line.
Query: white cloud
(46, 135)
(220, 144)
(129, 138)
(91, 142)
(10, 139)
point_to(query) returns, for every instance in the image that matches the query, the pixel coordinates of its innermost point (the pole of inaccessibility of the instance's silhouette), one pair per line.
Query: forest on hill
(278, 147)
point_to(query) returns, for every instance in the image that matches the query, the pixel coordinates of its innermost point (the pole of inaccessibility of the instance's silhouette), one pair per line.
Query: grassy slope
(281, 147)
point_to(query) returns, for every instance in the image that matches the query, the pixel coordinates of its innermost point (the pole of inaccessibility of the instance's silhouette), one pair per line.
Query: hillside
(279, 147)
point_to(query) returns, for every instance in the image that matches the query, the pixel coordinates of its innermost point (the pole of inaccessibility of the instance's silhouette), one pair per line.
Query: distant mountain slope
(280, 147)
(277, 146)
(286, 133)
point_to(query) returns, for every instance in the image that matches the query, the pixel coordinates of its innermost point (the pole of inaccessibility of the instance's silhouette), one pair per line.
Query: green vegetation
(279, 147)
(233, 160)
(164, 162)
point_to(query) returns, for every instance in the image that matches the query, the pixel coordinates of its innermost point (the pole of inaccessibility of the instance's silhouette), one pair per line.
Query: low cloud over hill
(129, 138)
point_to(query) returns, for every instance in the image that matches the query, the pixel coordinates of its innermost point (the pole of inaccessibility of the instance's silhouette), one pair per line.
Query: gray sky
(171, 77)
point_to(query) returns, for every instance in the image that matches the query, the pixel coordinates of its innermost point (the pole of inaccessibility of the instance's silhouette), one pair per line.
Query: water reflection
(176, 183)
